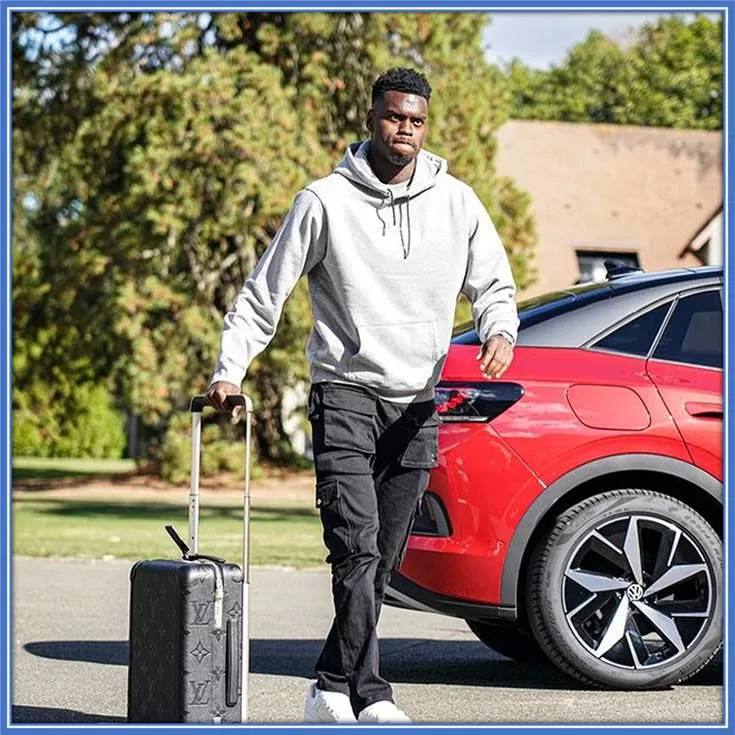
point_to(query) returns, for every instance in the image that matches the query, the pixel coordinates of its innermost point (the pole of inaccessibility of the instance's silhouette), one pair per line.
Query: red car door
(686, 367)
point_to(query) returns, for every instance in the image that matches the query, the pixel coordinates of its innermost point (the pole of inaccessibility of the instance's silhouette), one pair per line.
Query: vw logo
(635, 592)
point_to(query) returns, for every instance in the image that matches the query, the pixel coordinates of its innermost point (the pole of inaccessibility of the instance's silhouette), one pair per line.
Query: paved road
(70, 656)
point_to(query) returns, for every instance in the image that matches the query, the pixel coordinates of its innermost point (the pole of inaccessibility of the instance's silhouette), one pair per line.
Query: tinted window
(694, 332)
(636, 337)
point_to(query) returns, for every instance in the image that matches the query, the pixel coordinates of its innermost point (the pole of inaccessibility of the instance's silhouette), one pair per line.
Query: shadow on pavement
(95, 652)
(403, 660)
(416, 661)
(22, 714)
(431, 661)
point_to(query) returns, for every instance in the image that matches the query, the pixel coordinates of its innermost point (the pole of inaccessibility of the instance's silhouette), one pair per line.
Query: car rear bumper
(402, 592)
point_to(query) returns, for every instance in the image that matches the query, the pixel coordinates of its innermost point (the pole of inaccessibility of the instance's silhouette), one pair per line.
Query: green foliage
(82, 423)
(27, 435)
(175, 453)
(222, 451)
(669, 75)
(154, 157)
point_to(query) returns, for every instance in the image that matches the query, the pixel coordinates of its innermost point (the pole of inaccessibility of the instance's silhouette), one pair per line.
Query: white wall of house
(708, 244)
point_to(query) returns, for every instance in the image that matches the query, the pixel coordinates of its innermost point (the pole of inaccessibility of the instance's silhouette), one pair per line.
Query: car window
(693, 334)
(536, 309)
(636, 336)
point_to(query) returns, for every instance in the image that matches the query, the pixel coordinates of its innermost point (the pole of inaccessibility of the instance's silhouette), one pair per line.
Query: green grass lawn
(130, 525)
(280, 533)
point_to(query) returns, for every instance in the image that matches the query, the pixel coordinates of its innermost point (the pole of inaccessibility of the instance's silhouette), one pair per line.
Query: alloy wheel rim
(637, 592)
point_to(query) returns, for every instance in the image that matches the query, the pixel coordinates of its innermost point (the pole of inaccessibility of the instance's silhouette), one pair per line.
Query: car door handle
(704, 409)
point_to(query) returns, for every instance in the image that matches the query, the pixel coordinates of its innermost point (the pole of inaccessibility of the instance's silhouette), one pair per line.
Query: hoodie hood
(355, 167)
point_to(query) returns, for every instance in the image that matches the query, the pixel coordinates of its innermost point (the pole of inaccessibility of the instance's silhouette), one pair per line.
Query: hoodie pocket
(399, 357)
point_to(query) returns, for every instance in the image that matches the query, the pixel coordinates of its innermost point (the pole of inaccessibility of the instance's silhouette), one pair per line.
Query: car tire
(625, 591)
(514, 643)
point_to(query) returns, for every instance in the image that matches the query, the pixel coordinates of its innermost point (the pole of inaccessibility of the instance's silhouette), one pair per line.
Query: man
(388, 241)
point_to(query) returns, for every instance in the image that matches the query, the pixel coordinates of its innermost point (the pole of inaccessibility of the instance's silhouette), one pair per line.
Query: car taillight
(475, 401)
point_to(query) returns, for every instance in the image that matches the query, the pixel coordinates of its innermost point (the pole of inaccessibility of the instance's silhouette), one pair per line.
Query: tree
(332, 60)
(678, 69)
(156, 155)
(670, 75)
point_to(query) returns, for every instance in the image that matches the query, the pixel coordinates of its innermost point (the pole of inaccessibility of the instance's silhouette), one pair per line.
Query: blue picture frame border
(7, 7)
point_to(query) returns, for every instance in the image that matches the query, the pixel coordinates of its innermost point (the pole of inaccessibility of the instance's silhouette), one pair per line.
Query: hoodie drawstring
(408, 221)
(377, 210)
(405, 244)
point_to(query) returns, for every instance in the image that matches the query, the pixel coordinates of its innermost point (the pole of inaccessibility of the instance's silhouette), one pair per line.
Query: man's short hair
(401, 79)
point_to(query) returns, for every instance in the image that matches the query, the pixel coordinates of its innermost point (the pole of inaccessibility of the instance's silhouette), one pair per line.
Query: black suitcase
(188, 641)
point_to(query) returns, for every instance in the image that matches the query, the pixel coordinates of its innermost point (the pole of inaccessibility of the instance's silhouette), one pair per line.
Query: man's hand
(495, 356)
(218, 393)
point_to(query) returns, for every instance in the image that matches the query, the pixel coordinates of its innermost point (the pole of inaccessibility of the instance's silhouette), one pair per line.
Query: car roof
(571, 317)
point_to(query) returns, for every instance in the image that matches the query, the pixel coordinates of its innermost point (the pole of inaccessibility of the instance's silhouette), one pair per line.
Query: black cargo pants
(372, 462)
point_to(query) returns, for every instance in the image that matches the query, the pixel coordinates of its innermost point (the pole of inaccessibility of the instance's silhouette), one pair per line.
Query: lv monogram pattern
(177, 668)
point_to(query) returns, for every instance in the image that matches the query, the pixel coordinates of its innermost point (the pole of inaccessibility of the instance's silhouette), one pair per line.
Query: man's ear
(369, 120)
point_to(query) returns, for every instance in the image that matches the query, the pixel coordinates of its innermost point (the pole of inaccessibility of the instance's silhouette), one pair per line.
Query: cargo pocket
(336, 525)
(422, 450)
(349, 420)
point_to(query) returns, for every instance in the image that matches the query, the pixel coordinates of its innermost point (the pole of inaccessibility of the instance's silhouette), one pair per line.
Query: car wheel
(625, 591)
(514, 643)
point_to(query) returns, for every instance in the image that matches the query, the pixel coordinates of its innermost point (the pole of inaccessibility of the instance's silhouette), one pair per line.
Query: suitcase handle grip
(198, 403)
(232, 665)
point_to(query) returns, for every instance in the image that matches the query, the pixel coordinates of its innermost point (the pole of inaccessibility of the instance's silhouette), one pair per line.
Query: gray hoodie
(385, 265)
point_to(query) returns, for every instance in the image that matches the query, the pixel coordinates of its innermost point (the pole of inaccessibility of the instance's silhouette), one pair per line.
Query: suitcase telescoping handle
(196, 407)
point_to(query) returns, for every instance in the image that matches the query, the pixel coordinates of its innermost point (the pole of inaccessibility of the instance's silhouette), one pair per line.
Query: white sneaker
(321, 706)
(383, 711)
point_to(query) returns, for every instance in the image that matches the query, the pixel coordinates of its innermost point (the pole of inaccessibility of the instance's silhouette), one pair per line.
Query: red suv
(577, 510)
